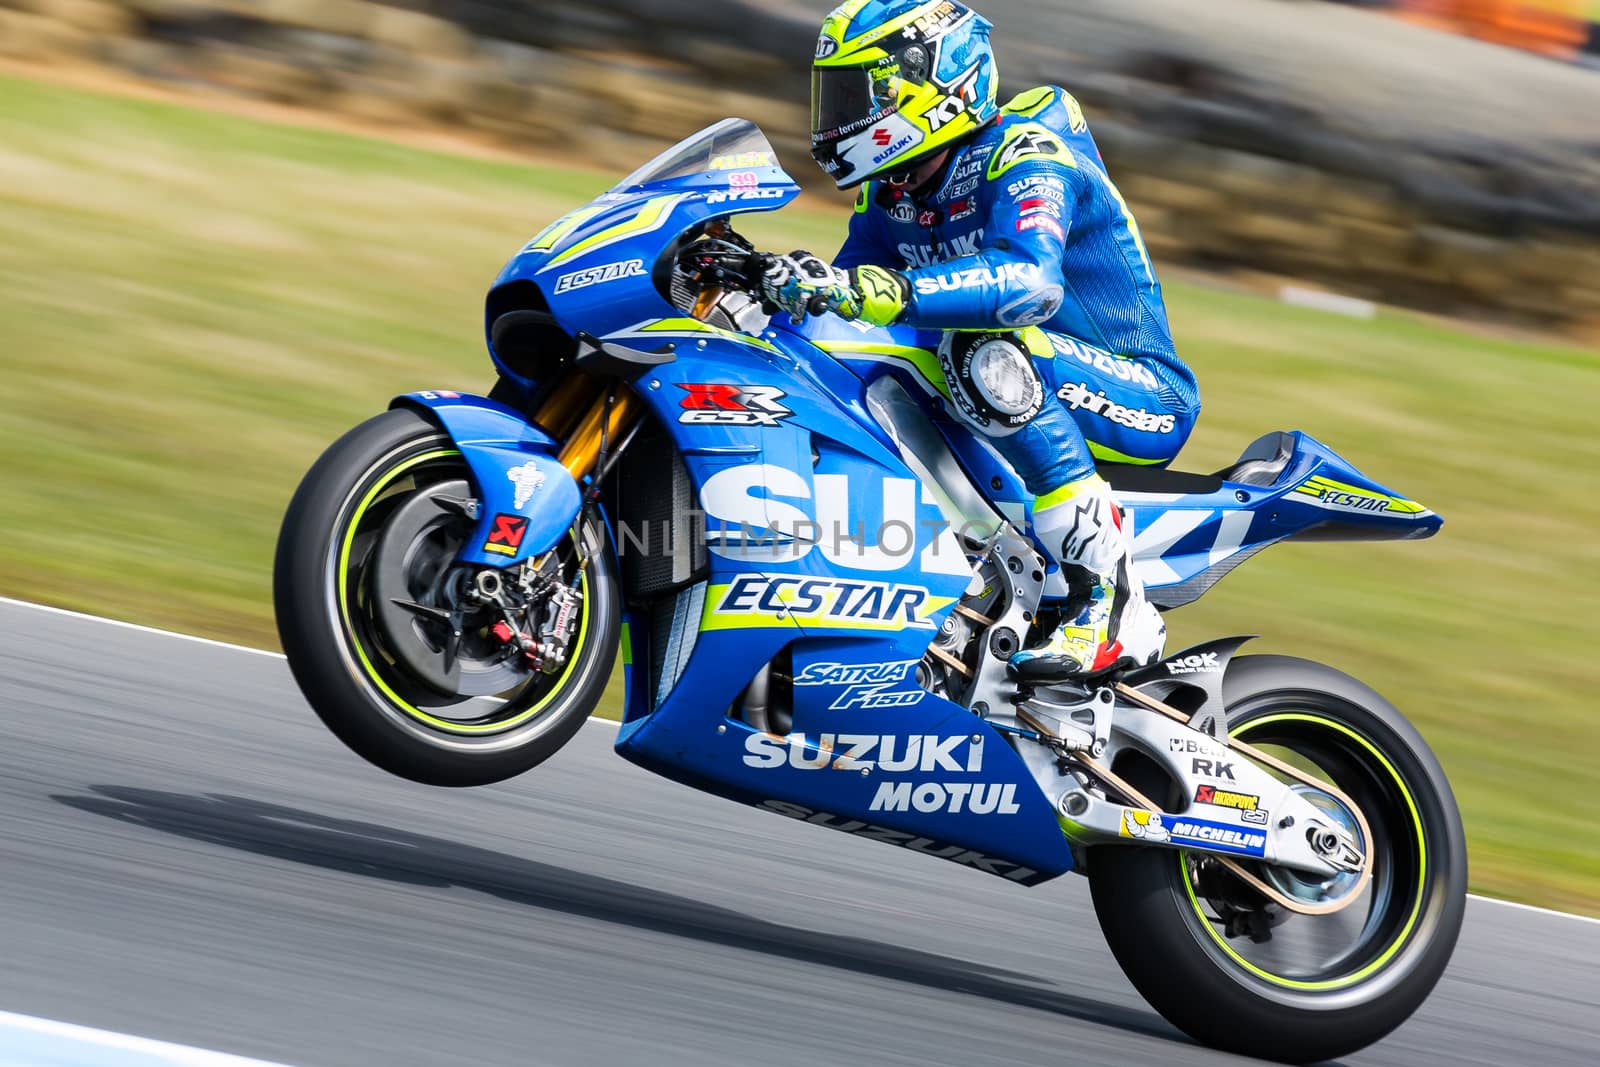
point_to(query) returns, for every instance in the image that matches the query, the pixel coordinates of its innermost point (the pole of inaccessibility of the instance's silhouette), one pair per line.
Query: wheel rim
(1332, 952)
(412, 701)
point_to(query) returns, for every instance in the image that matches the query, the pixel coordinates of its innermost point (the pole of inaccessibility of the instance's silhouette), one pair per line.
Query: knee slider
(992, 380)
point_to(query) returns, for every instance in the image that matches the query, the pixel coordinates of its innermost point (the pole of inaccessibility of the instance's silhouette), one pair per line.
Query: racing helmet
(894, 81)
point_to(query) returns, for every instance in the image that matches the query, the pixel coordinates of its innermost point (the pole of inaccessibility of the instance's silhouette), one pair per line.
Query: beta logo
(505, 536)
(955, 754)
(1199, 663)
(721, 404)
(1190, 746)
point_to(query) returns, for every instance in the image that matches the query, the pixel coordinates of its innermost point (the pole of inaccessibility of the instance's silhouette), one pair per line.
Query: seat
(1261, 463)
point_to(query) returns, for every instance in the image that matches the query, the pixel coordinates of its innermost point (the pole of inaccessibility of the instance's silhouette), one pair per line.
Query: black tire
(1189, 971)
(361, 691)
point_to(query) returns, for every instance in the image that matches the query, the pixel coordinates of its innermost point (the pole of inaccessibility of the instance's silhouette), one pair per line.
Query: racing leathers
(1058, 350)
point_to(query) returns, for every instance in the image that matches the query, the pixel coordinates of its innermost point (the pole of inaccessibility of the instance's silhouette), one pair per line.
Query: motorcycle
(815, 578)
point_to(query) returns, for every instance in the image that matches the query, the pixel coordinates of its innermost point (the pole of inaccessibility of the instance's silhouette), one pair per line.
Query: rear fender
(1191, 681)
(526, 499)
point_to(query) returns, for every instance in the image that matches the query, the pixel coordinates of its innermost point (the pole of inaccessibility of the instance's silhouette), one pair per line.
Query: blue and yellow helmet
(896, 80)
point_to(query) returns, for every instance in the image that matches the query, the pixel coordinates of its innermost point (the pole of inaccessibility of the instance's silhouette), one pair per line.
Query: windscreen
(727, 145)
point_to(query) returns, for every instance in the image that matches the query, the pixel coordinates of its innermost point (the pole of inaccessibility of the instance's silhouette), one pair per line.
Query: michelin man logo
(1145, 825)
(527, 478)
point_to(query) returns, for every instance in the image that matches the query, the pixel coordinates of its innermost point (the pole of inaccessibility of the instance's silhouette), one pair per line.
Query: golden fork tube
(566, 403)
(578, 455)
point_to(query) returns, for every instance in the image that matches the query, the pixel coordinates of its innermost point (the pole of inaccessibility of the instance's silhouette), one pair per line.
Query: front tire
(391, 705)
(1181, 931)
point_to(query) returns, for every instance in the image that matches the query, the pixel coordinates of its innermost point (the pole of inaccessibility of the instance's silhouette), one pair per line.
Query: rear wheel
(1237, 972)
(408, 656)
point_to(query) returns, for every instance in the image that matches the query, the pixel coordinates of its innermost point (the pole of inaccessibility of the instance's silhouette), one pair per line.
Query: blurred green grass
(194, 304)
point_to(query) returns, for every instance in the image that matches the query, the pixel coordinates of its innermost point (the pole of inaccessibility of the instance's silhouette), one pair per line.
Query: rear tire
(1200, 978)
(361, 690)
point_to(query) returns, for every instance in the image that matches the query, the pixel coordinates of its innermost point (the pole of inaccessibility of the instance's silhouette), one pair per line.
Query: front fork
(591, 417)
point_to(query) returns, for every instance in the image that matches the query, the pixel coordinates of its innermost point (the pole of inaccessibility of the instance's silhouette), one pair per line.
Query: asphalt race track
(185, 854)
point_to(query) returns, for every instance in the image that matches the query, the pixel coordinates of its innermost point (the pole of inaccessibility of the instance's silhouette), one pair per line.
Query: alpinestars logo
(1087, 532)
(1027, 143)
(1077, 395)
(719, 404)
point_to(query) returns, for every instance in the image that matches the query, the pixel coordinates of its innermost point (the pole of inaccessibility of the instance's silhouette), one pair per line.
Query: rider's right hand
(802, 284)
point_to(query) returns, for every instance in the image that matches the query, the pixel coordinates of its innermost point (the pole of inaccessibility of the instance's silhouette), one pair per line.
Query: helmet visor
(845, 100)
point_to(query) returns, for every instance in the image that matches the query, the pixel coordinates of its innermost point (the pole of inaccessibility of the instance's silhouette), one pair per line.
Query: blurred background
(230, 230)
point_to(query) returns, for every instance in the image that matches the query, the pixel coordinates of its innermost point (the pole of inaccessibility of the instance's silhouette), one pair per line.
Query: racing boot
(1081, 525)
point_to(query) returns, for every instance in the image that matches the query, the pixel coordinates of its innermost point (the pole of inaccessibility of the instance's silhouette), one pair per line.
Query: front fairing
(606, 266)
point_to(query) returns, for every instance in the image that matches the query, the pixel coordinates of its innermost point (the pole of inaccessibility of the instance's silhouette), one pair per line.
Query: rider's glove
(802, 284)
(881, 295)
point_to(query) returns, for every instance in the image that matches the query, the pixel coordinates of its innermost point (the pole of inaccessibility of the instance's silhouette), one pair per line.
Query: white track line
(30, 1040)
(592, 718)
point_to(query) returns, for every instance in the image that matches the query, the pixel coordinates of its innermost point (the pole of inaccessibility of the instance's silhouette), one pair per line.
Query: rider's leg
(996, 386)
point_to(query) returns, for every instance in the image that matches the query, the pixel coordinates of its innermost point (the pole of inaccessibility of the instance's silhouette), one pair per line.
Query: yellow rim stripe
(1422, 870)
(361, 653)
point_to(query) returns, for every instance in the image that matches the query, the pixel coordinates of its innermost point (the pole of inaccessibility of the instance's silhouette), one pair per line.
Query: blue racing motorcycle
(815, 578)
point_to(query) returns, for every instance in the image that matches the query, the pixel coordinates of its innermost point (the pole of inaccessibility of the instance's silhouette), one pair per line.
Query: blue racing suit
(1025, 229)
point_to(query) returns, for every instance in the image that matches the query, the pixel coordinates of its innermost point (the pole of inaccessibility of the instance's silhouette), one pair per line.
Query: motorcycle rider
(1001, 227)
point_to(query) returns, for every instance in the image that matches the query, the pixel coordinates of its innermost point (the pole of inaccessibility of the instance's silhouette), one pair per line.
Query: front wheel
(436, 672)
(1236, 971)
